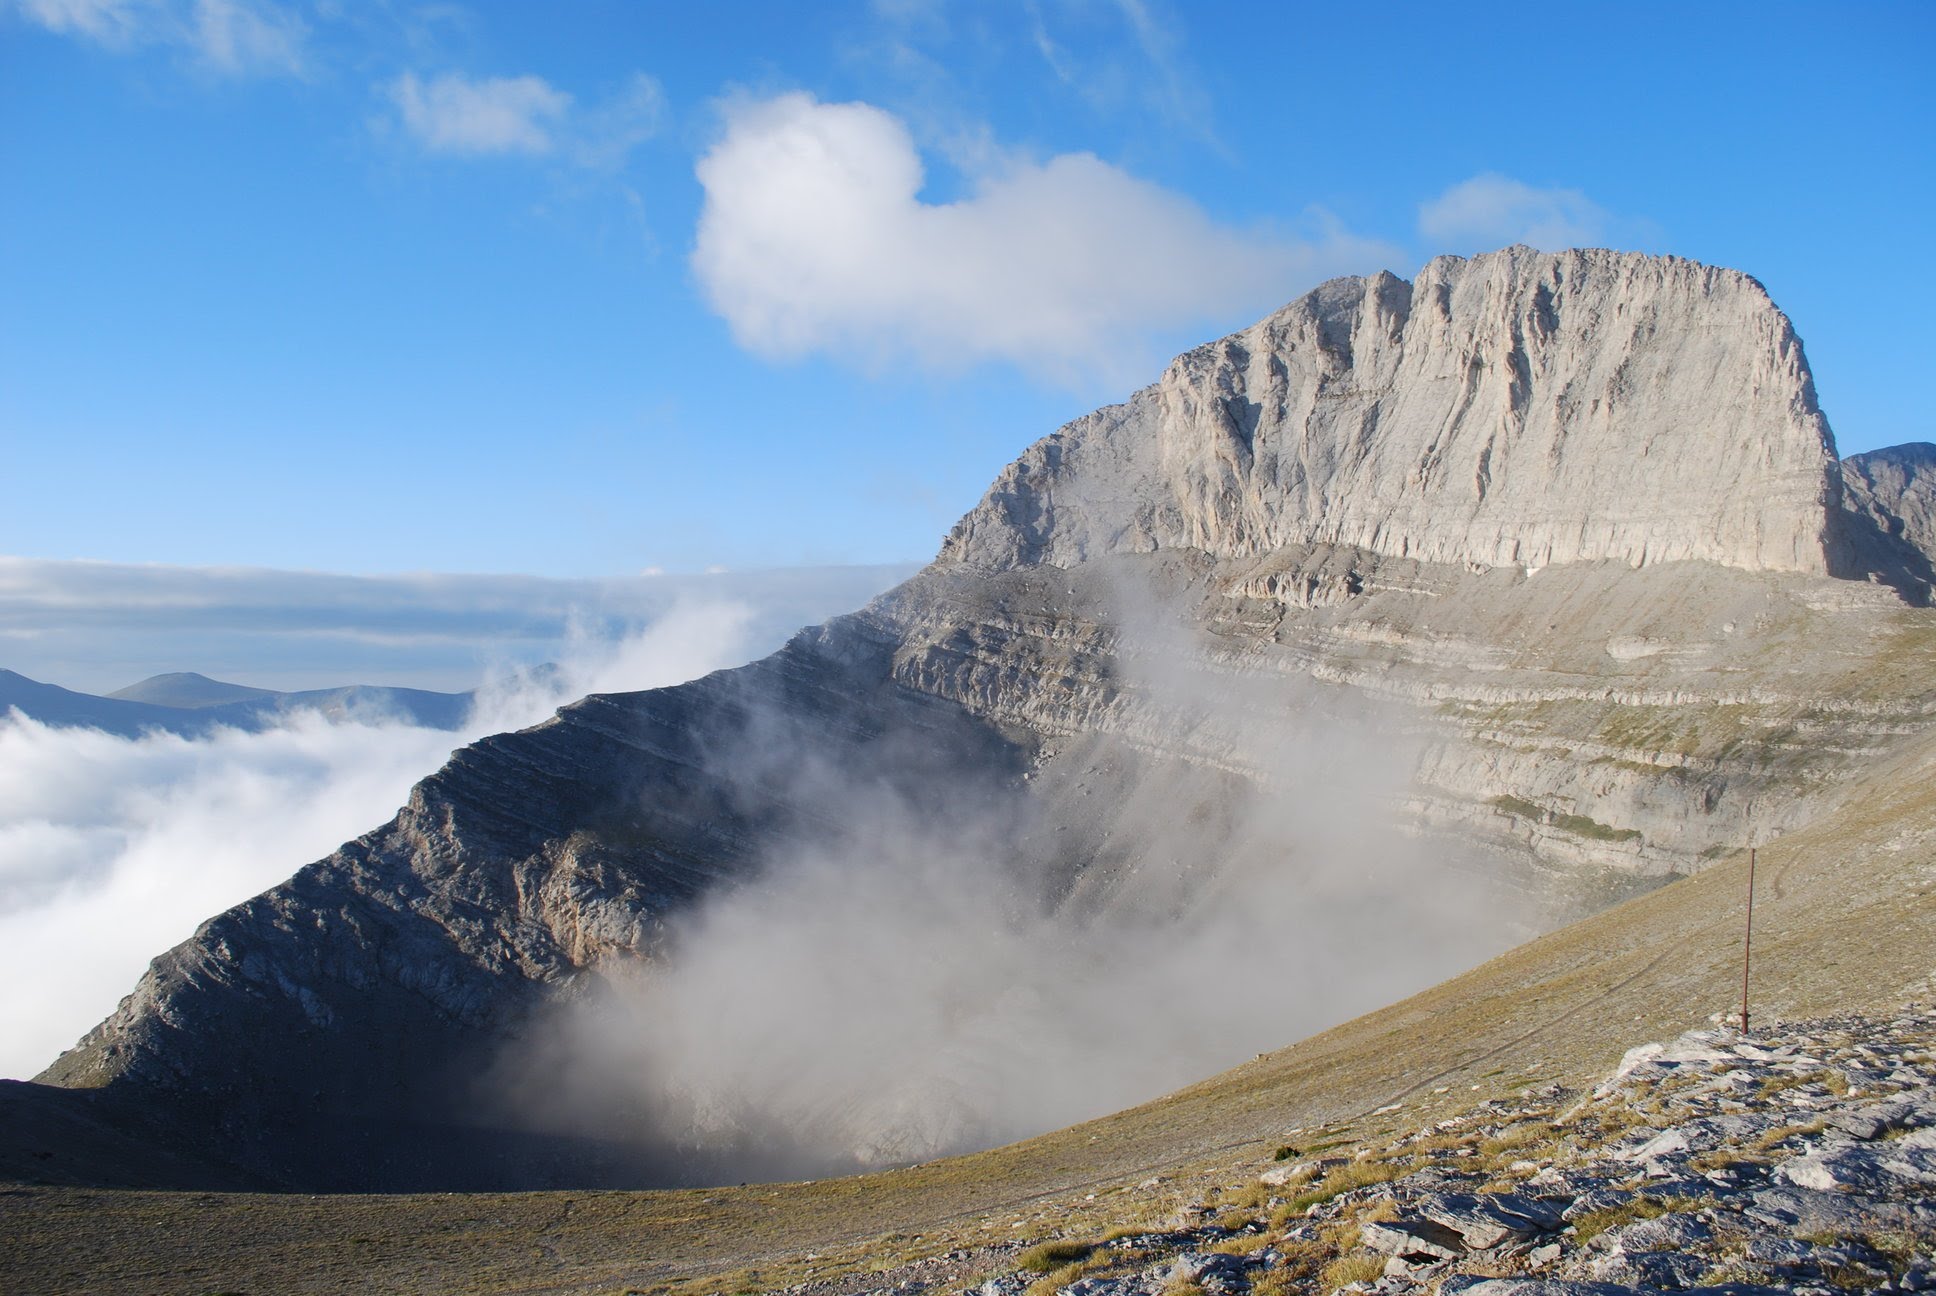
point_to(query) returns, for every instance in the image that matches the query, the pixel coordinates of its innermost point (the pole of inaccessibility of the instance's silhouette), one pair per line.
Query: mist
(113, 850)
(934, 972)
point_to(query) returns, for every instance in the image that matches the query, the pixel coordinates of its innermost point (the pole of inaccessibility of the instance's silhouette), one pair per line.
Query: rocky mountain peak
(1262, 646)
(1517, 408)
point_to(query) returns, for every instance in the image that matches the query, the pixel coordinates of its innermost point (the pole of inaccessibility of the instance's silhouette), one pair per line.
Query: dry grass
(1642, 1207)
(1357, 1174)
(1774, 1138)
(1096, 1262)
(1755, 1152)
(1046, 1256)
(1243, 1244)
(1350, 1269)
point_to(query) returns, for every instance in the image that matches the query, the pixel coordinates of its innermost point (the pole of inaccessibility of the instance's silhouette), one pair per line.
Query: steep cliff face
(1889, 512)
(1566, 528)
(1516, 408)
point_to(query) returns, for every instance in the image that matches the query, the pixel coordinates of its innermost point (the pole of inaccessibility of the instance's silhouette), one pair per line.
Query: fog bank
(113, 850)
(930, 973)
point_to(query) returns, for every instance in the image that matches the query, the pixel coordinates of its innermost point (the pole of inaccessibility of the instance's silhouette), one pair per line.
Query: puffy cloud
(113, 849)
(1492, 210)
(454, 114)
(814, 238)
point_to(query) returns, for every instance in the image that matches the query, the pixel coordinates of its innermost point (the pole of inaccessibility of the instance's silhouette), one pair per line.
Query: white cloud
(1491, 210)
(607, 132)
(110, 22)
(479, 116)
(112, 850)
(239, 37)
(455, 114)
(234, 37)
(814, 238)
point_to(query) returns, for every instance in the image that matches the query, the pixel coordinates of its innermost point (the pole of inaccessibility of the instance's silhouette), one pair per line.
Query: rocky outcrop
(1517, 408)
(1889, 513)
(1792, 1159)
(1896, 489)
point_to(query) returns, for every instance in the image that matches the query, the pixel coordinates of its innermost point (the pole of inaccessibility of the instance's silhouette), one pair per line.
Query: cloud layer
(814, 238)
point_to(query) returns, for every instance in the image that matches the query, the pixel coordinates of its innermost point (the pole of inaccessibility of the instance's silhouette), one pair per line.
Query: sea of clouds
(113, 850)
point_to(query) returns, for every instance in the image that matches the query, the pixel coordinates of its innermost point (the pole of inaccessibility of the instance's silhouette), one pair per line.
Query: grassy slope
(1845, 917)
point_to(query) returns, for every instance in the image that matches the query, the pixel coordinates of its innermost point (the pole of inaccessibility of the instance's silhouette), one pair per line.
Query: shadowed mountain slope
(1889, 497)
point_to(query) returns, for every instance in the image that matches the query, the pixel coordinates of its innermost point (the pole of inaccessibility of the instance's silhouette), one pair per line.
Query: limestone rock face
(1889, 503)
(1516, 408)
(1897, 487)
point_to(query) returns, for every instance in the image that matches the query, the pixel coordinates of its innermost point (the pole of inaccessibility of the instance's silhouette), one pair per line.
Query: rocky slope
(1797, 1158)
(1568, 531)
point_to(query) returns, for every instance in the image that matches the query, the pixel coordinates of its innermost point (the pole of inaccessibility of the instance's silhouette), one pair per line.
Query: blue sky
(584, 289)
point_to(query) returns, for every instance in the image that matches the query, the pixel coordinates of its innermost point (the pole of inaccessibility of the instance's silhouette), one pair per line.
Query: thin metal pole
(1747, 946)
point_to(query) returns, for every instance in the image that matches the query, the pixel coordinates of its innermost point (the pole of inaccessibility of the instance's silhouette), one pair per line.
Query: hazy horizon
(95, 627)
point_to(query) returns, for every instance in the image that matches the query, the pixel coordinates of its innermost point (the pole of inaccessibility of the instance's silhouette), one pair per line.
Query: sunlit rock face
(1516, 408)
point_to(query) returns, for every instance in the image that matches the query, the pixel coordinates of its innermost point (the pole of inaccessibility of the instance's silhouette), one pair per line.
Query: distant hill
(192, 705)
(65, 709)
(191, 691)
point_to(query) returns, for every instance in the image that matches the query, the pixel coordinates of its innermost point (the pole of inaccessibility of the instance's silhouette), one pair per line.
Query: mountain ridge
(189, 690)
(203, 705)
(1685, 709)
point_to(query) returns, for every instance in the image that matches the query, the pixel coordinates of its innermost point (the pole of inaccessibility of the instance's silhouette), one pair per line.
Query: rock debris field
(1800, 1158)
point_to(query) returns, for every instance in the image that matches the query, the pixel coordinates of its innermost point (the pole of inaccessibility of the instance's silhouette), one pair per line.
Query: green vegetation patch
(1578, 825)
